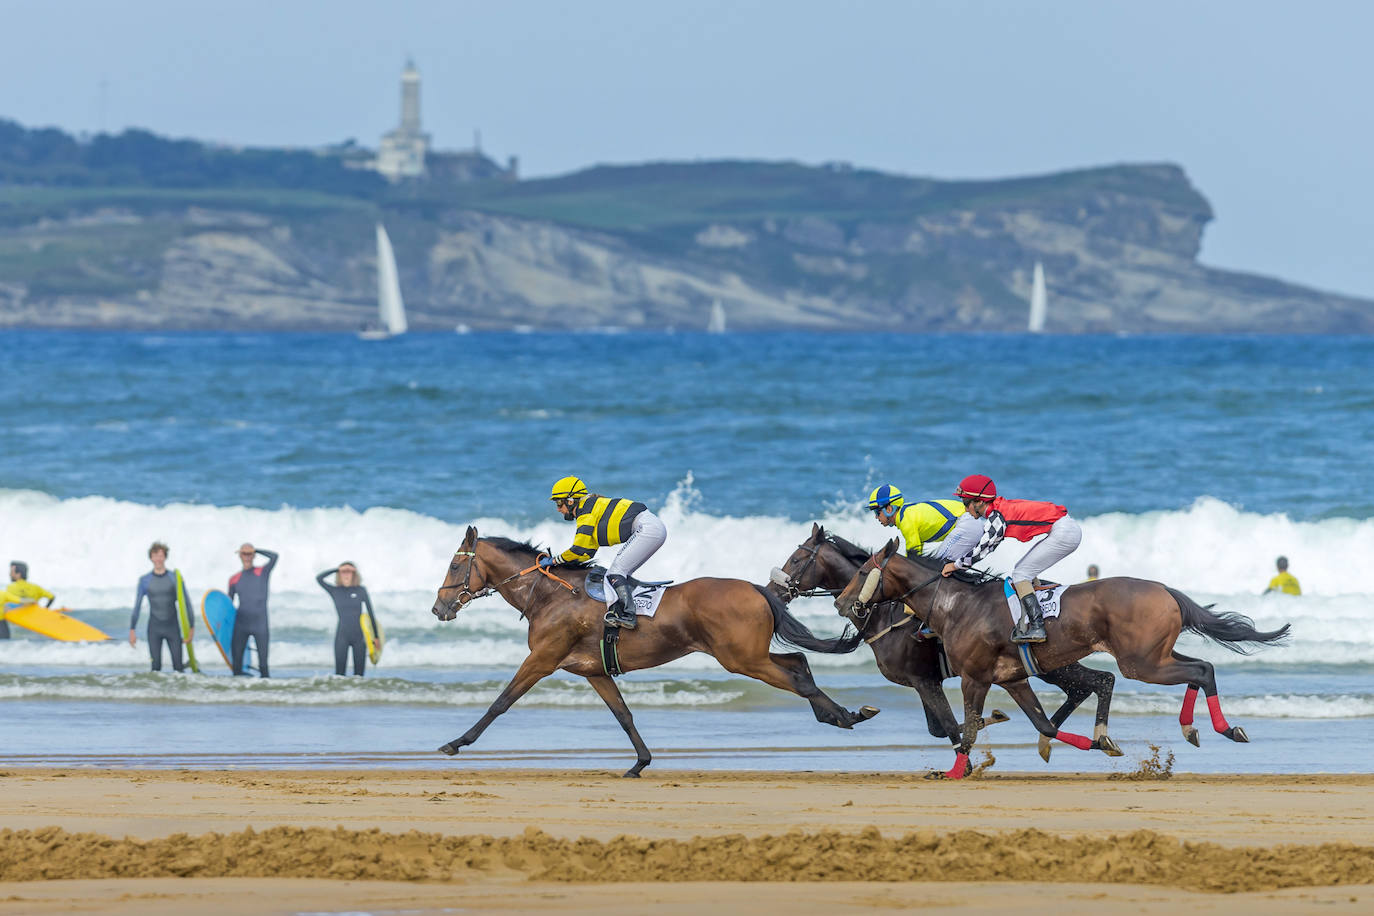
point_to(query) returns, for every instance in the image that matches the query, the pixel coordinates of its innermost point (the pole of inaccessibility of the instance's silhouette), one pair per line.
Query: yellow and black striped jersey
(601, 522)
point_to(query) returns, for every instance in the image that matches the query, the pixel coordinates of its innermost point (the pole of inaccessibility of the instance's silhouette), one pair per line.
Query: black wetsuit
(163, 625)
(250, 585)
(348, 603)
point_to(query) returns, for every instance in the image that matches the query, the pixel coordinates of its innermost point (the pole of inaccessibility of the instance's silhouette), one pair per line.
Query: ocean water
(1194, 461)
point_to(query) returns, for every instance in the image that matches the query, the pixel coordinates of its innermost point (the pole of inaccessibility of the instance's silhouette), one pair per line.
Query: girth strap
(1028, 659)
(610, 650)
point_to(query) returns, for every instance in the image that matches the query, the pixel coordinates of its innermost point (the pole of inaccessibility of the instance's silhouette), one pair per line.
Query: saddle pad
(647, 595)
(1049, 601)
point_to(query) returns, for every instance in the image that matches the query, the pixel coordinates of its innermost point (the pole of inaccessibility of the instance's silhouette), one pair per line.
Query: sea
(1195, 461)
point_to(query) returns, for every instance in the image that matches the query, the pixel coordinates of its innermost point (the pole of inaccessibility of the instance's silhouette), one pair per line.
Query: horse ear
(816, 530)
(890, 549)
(470, 536)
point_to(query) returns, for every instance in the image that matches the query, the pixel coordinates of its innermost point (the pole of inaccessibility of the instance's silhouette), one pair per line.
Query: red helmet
(976, 486)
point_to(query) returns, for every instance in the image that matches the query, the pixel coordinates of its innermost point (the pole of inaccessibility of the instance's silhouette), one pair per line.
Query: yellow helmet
(884, 496)
(568, 488)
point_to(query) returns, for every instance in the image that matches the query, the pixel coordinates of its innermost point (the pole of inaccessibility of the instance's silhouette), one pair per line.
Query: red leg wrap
(960, 766)
(1082, 742)
(1185, 717)
(1218, 720)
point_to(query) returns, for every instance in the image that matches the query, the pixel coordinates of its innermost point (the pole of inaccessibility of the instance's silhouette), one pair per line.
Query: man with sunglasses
(249, 585)
(921, 524)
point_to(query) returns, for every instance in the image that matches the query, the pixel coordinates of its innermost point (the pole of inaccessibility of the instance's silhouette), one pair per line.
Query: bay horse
(825, 562)
(730, 619)
(1135, 620)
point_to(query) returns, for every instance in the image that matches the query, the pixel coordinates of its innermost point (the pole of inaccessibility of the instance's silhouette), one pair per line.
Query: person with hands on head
(350, 597)
(250, 586)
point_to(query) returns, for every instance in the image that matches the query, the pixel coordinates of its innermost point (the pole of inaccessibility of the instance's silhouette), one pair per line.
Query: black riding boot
(1032, 618)
(622, 613)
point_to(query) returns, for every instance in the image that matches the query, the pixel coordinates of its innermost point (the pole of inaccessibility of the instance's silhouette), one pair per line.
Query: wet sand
(575, 841)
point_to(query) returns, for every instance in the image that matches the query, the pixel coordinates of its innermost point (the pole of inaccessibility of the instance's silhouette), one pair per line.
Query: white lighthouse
(403, 150)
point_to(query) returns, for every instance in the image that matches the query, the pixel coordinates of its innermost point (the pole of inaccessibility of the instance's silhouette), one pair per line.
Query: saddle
(596, 584)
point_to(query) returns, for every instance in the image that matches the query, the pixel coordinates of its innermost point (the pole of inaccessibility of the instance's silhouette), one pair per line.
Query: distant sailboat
(391, 308)
(716, 323)
(1038, 303)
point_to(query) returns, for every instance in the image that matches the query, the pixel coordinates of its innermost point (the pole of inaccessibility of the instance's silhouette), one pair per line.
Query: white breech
(647, 534)
(1061, 540)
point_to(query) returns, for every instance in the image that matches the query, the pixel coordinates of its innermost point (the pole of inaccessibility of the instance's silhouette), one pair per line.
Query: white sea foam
(91, 551)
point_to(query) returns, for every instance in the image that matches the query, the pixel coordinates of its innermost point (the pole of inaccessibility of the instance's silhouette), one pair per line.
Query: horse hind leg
(1079, 682)
(790, 671)
(1025, 698)
(1207, 682)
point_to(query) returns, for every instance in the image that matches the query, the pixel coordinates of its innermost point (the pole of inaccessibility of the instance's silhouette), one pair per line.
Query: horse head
(817, 566)
(866, 587)
(464, 581)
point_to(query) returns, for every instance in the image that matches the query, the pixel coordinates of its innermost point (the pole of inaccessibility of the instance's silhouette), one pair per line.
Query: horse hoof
(1045, 748)
(1237, 734)
(633, 772)
(450, 749)
(994, 717)
(1108, 746)
(1191, 734)
(867, 712)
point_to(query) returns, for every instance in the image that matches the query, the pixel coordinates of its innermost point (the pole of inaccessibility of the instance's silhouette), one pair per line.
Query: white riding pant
(647, 534)
(960, 541)
(1061, 540)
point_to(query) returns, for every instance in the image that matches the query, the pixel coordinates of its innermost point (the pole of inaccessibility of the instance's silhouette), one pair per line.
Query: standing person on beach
(250, 585)
(160, 588)
(19, 592)
(1285, 581)
(349, 600)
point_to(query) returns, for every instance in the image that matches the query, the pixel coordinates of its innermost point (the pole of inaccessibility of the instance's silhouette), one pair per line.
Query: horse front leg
(532, 670)
(975, 694)
(1079, 682)
(606, 688)
(1025, 698)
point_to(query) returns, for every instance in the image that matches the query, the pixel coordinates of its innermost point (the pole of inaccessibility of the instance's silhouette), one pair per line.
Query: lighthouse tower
(402, 151)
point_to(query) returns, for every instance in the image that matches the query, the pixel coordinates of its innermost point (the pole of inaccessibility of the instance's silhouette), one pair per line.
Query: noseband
(794, 589)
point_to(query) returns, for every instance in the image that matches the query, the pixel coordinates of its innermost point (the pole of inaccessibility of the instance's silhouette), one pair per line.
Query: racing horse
(825, 562)
(730, 619)
(1135, 620)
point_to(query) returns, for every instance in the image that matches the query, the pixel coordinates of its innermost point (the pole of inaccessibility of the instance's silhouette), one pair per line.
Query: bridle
(863, 609)
(789, 583)
(466, 594)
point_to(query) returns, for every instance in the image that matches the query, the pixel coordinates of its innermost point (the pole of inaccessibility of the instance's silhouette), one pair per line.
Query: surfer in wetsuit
(160, 588)
(349, 599)
(19, 592)
(250, 586)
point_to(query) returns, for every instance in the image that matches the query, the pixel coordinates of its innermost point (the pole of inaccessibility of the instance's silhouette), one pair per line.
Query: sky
(1266, 105)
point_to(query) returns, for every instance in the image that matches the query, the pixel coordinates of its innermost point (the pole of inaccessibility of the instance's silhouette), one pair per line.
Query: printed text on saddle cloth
(647, 597)
(1049, 601)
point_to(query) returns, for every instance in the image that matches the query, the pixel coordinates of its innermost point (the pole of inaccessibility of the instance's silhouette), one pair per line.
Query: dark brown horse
(730, 619)
(825, 562)
(1134, 620)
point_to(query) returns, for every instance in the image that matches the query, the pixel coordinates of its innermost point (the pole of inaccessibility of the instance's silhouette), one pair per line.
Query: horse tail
(790, 631)
(1225, 627)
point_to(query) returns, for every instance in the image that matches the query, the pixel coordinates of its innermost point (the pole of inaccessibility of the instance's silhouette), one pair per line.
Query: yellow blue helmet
(568, 488)
(884, 496)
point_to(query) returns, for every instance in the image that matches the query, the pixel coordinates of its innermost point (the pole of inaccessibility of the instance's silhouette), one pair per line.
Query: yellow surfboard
(372, 635)
(53, 622)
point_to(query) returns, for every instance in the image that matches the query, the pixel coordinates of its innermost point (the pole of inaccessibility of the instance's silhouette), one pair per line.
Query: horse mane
(850, 551)
(510, 545)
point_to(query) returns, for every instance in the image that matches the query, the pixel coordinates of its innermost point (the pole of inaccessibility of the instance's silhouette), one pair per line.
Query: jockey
(604, 522)
(1023, 520)
(920, 523)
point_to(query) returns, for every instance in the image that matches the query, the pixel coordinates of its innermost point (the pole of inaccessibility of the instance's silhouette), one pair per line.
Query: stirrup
(616, 617)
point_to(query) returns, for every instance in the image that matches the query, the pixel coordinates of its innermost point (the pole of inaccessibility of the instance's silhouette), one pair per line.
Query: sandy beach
(377, 841)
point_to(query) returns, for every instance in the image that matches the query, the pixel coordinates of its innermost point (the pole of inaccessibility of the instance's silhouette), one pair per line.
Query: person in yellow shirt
(19, 592)
(1093, 574)
(921, 523)
(1285, 581)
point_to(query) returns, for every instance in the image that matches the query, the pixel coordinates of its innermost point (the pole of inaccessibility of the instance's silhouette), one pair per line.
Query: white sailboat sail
(716, 323)
(1038, 303)
(390, 306)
